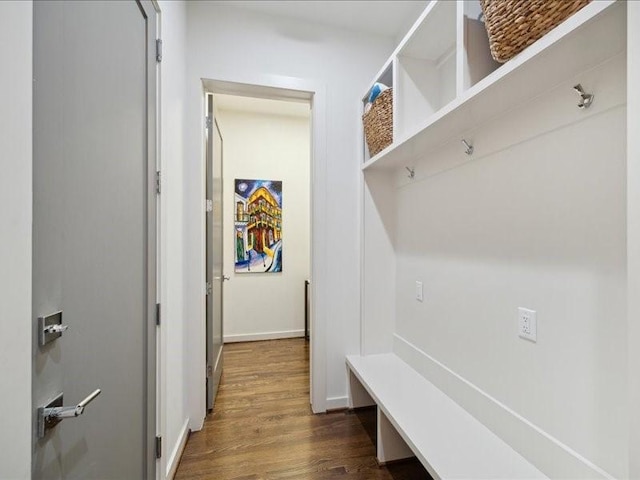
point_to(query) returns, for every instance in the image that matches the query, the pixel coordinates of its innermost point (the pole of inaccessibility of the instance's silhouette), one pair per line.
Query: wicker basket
(378, 123)
(513, 25)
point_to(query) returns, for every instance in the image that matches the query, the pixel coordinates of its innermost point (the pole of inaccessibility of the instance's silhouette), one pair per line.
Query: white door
(94, 238)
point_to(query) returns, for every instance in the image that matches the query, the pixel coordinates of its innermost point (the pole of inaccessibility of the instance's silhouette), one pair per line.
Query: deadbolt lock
(50, 327)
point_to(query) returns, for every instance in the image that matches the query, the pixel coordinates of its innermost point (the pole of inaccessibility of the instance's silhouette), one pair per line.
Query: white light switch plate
(419, 295)
(527, 324)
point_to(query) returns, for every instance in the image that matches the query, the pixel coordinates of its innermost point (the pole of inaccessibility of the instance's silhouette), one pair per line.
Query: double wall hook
(586, 99)
(468, 148)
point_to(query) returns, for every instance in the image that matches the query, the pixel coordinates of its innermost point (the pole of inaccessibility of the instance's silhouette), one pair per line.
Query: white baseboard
(176, 454)
(337, 403)
(550, 455)
(254, 337)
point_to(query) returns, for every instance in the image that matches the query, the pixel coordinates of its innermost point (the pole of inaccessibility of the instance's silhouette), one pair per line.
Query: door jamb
(151, 11)
(288, 88)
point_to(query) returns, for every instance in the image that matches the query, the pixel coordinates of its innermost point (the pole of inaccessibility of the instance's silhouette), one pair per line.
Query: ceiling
(387, 18)
(383, 17)
(237, 103)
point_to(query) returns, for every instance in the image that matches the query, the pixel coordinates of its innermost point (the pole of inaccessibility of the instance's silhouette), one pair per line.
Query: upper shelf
(433, 35)
(589, 37)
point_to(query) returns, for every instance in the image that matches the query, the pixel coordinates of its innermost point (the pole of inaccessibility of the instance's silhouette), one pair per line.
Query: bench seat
(415, 416)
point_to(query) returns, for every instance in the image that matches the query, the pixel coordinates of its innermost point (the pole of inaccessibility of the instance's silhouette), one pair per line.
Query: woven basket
(378, 123)
(513, 25)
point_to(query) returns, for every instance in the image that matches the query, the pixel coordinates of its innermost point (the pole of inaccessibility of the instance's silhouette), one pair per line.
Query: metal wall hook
(586, 99)
(468, 148)
(412, 172)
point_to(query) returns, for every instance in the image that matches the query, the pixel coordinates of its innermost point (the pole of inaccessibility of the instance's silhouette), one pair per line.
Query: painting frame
(257, 226)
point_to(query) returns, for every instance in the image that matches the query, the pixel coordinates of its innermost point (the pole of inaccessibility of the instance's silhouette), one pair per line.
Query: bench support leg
(391, 445)
(358, 395)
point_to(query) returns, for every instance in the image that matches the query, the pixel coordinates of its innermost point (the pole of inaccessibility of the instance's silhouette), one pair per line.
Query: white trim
(428, 358)
(161, 260)
(337, 403)
(316, 91)
(319, 274)
(253, 337)
(178, 450)
(360, 155)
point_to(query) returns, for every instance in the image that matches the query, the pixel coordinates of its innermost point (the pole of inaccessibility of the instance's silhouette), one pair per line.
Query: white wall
(227, 43)
(16, 56)
(173, 374)
(536, 219)
(270, 147)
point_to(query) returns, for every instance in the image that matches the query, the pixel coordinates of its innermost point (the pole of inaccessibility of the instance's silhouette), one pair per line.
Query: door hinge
(208, 121)
(207, 288)
(158, 446)
(157, 314)
(209, 204)
(158, 50)
(158, 182)
(209, 371)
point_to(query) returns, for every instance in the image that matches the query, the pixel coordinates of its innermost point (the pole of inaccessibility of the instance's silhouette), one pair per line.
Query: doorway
(267, 219)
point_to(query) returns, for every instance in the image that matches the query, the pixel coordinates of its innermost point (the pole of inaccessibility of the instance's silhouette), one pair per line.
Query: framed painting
(258, 226)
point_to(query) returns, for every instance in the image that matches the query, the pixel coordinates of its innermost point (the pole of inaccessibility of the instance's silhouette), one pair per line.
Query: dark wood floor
(262, 426)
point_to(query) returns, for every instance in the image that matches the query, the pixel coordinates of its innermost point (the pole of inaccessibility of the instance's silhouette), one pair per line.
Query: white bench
(416, 418)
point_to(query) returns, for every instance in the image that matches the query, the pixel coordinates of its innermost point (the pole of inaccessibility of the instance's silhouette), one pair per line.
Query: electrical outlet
(419, 296)
(527, 324)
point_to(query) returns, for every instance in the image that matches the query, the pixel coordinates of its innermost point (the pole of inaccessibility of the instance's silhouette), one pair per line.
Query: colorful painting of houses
(258, 226)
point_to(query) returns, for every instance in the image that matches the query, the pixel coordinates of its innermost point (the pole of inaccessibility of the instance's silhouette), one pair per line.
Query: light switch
(419, 295)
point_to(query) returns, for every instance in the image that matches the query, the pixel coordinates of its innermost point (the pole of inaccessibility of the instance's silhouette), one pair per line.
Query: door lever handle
(89, 399)
(68, 412)
(226, 277)
(54, 412)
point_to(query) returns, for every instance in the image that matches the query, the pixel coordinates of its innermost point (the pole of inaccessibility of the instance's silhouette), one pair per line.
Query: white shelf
(425, 75)
(473, 60)
(433, 35)
(582, 41)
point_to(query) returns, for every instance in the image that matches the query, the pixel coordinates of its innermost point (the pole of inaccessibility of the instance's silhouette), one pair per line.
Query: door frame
(277, 87)
(151, 11)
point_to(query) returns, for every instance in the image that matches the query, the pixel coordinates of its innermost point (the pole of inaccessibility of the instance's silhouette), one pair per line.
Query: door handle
(226, 277)
(53, 413)
(69, 412)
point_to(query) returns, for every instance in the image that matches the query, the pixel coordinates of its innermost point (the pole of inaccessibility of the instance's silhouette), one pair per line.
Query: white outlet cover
(527, 324)
(419, 294)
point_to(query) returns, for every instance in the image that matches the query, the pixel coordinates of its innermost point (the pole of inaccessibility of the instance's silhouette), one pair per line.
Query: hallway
(262, 426)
